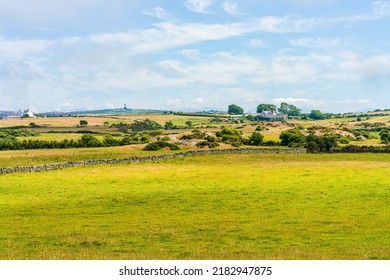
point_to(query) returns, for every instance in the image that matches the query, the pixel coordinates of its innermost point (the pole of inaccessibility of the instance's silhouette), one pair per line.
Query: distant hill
(117, 111)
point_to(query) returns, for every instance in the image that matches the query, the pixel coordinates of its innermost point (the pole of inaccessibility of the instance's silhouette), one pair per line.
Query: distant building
(28, 113)
(270, 116)
(235, 117)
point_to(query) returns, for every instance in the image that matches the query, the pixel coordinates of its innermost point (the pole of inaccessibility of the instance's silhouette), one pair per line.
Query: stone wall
(63, 165)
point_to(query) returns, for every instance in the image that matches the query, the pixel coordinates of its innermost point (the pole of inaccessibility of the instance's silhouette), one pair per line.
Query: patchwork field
(269, 206)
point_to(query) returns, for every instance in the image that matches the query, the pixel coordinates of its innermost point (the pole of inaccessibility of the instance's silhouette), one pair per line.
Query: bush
(231, 136)
(145, 125)
(83, 122)
(210, 141)
(385, 136)
(256, 139)
(156, 146)
(196, 134)
(292, 138)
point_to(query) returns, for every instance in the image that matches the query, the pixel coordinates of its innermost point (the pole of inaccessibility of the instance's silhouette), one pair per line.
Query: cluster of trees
(137, 126)
(313, 143)
(226, 135)
(141, 125)
(86, 141)
(285, 108)
(169, 125)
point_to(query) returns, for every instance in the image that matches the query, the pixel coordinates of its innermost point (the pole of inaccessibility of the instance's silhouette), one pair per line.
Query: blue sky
(331, 55)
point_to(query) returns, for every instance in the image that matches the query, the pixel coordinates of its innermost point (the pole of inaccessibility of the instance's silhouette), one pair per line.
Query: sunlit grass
(207, 207)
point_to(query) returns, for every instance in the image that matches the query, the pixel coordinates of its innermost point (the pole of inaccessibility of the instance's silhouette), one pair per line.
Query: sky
(190, 55)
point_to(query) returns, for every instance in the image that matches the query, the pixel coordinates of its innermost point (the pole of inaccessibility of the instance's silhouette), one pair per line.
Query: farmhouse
(270, 116)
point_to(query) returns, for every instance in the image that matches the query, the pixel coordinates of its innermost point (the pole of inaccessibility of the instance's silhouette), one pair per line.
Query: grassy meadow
(270, 206)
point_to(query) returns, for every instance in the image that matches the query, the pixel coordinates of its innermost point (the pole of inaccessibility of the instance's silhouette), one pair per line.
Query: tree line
(86, 141)
(285, 108)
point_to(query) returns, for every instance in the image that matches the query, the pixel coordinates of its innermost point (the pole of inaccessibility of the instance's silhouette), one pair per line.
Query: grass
(35, 157)
(211, 207)
(60, 137)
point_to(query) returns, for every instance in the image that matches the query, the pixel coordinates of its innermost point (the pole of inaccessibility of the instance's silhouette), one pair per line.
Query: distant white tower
(124, 107)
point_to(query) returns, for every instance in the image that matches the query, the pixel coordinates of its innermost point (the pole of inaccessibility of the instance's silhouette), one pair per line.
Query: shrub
(158, 145)
(292, 138)
(256, 139)
(385, 136)
(145, 125)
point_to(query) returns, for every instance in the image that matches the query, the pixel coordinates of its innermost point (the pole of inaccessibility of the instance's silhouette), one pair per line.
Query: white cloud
(168, 35)
(256, 43)
(174, 102)
(231, 8)
(349, 101)
(199, 100)
(324, 43)
(19, 49)
(381, 8)
(157, 12)
(199, 6)
(41, 11)
(190, 53)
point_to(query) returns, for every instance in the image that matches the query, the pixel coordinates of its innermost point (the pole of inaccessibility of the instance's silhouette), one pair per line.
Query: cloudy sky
(332, 55)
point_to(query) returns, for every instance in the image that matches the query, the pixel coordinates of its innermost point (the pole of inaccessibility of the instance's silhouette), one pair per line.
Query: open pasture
(269, 206)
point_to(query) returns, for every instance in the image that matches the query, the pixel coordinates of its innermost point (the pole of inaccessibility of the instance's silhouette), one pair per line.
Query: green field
(266, 206)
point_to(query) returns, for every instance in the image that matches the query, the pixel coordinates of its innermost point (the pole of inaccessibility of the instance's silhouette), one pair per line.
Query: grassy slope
(210, 207)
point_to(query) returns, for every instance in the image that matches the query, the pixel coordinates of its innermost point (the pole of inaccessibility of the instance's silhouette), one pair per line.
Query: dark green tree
(234, 109)
(289, 109)
(87, 140)
(83, 122)
(384, 135)
(292, 138)
(316, 115)
(256, 139)
(266, 107)
(169, 125)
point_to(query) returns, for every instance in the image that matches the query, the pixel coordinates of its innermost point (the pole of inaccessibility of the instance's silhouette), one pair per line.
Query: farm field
(44, 156)
(270, 206)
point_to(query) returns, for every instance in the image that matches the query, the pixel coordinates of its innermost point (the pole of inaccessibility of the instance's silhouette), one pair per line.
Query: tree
(88, 140)
(110, 141)
(292, 138)
(250, 118)
(144, 125)
(189, 123)
(289, 109)
(316, 115)
(320, 144)
(169, 125)
(266, 107)
(235, 110)
(230, 136)
(385, 136)
(256, 139)
(83, 122)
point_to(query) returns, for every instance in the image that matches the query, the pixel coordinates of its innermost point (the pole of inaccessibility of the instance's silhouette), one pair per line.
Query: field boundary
(134, 159)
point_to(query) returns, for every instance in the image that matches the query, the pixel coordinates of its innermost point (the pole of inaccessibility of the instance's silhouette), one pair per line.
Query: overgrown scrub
(158, 145)
(86, 141)
(313, 143)
(231, 136)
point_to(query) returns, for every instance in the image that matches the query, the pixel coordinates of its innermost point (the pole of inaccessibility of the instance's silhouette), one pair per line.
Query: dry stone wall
(71, 164)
